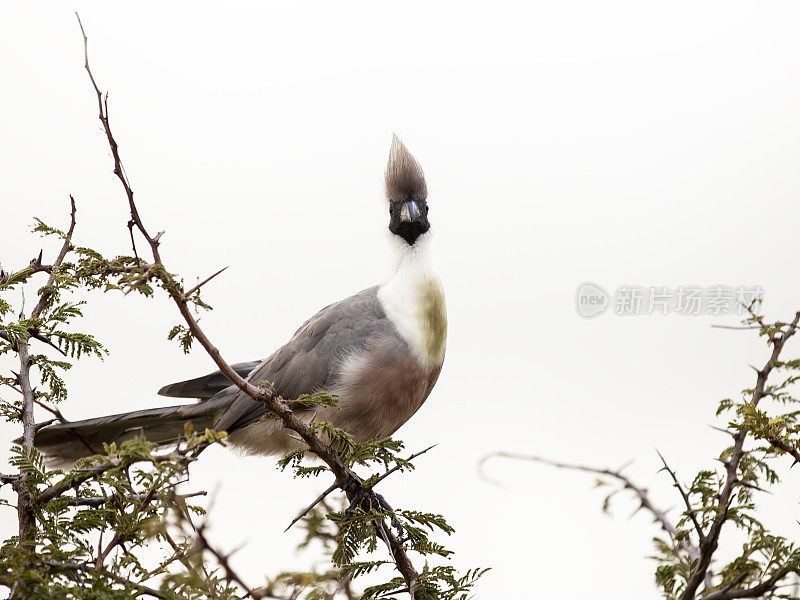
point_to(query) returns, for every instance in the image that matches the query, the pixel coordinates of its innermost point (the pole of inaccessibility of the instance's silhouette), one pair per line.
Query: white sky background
(616, 142)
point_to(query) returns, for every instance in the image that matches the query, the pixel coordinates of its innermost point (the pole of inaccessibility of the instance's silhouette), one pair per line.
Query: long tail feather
(63, 443)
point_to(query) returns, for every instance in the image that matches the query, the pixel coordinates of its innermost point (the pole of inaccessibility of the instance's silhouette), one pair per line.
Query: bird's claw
(372, 499)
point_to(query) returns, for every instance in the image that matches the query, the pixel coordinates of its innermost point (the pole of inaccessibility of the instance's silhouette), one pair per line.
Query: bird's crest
(404, 177)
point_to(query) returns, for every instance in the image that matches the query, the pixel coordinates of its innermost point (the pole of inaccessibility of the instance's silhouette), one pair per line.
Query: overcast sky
(621, 143)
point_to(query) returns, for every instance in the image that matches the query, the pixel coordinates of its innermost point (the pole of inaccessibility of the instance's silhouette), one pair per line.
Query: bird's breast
(432, 319)
(415, 304)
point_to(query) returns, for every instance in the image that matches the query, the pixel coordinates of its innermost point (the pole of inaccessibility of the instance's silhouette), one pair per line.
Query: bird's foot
(367, 499)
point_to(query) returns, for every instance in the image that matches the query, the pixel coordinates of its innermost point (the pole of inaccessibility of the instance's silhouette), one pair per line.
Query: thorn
(723, 430)
(202, 283)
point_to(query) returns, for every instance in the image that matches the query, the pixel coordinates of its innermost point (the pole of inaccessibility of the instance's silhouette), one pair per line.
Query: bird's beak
(410, 212)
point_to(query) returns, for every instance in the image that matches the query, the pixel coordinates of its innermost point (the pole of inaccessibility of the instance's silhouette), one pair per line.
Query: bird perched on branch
(380, 351)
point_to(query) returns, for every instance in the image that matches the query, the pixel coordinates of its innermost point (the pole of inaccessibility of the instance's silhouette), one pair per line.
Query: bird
(380, 351)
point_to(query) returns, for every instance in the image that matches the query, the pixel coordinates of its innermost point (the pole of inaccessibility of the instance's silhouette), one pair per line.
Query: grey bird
(380, 350)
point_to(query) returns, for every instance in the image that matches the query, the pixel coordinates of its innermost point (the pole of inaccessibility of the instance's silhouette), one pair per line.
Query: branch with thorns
(345, 478)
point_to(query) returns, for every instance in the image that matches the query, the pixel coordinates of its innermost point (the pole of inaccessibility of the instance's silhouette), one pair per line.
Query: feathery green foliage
(116, 525)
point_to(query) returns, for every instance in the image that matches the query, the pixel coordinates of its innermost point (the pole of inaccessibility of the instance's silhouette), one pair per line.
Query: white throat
(413, 299)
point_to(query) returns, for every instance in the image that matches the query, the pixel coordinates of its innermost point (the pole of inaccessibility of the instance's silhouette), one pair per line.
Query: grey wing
(309, 361)
(206, 386)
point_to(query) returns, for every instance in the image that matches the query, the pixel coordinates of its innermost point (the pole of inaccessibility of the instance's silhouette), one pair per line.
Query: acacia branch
(76, 566)
(118, 537)
(25, 513)
(78, 476)
(778, 443)
(65, 248)
(686, 501)
(709, 545)
(25, 501)
(757, 591)
(346, 478)
(35, 266)
(98, 501)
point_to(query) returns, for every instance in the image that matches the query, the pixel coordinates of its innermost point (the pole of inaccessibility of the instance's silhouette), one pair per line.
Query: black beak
(410, 212)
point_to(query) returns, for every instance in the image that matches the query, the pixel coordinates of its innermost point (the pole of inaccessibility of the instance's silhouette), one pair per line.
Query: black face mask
(409, 219)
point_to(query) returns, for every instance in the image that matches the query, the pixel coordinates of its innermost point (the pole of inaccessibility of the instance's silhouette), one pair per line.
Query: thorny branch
(97, 501)
(75, 566)
(729, 593)
(708, 544)
(65, 248)
(689, 510)
(78, 476)
(700, 574)
(25, 505)
(346, 479)
(784, 447)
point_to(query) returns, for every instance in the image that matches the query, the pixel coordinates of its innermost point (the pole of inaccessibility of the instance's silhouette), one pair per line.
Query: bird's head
(407, 194)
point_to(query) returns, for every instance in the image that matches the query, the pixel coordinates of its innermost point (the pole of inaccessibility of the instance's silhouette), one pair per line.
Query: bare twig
(55, 412)
(187, 295)
(689, 509)
(345, 477)
(306, 510)
(130, 222)
(398, 467)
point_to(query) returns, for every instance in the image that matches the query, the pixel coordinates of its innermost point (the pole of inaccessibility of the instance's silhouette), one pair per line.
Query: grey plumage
(380, 350)
(207, 385)
(311, 361)
(317, 357)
